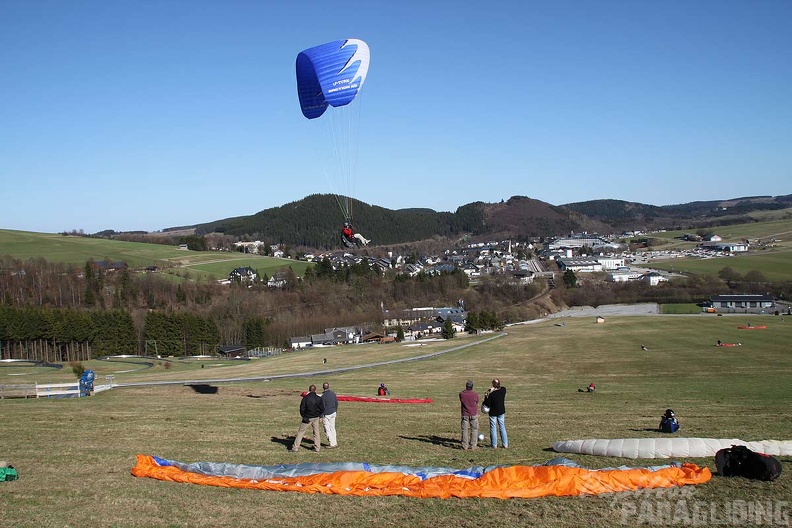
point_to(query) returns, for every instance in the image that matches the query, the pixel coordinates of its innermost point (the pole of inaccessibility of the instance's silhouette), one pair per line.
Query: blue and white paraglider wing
(331, 74)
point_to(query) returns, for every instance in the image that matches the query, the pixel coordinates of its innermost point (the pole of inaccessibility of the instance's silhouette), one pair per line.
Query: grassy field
(196, 265)
(771, 251)
(74, 456)
(775, 264)
(768, 224)
(680, 308)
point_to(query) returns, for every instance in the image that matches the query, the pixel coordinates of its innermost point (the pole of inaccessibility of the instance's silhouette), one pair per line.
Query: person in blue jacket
(669, 422)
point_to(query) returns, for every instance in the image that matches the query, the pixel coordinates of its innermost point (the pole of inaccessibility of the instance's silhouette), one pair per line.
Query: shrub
(78, 368)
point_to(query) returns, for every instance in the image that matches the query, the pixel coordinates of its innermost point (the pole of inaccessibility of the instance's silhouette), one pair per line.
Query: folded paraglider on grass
(559, 477)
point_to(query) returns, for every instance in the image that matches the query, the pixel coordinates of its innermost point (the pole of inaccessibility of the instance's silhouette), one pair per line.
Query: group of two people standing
(315, 409)
(494, 405)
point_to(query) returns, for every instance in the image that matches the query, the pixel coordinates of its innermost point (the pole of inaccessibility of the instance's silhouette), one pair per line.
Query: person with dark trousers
(311, 412)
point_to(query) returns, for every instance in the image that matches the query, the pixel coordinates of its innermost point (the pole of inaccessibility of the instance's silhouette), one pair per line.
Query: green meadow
(195, 265)
(680, 308)
(74, 456)
(765, 225)
(771, 248)
(775, 264)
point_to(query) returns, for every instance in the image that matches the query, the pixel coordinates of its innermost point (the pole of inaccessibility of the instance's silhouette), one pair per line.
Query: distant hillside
(734, 206)
(621, 215)
(316, 220)
(522, 217)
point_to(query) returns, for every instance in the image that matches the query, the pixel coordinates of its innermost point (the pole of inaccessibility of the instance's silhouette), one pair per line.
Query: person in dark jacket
(668, 422)
(311, 412)
(495, 399)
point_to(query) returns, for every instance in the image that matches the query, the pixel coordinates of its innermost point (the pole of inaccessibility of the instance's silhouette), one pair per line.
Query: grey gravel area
(609, 309)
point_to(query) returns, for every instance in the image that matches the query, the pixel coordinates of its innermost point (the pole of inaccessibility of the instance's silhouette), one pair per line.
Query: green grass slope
(771, 250)
(74, 456)
(199, 265)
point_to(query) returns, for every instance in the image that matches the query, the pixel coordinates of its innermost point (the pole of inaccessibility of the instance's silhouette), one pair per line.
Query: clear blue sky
(143, 115)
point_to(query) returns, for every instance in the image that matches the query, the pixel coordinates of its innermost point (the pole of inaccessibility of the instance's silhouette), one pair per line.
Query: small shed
(232, 351)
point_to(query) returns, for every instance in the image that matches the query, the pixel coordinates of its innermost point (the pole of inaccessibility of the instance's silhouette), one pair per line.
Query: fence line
(58, 389)
(18, 391)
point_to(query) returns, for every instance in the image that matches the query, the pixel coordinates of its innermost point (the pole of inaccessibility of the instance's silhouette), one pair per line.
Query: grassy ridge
(195, 264)
(74, 456)
(77, 250)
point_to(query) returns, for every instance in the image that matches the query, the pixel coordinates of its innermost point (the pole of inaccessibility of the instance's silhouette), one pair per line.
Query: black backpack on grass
(739, 461)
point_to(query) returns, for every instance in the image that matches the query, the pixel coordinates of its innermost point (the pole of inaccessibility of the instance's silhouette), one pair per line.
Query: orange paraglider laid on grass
(559, 477)
(751, 327)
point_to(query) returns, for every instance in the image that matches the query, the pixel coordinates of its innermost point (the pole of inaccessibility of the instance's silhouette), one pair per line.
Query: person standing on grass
(330, 402)
(470, 424)
(311, 411)
(495, 399)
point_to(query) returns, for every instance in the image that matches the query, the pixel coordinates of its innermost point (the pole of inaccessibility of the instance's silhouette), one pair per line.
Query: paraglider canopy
(329, 79)
(331, 74)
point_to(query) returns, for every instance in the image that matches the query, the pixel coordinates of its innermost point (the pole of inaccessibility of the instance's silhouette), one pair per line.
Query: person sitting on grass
(669, 422)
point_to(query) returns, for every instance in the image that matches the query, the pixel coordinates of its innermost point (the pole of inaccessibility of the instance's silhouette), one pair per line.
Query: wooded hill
(315, 221)
(623, 215)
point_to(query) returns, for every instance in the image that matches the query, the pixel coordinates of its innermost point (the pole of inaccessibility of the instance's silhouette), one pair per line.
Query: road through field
(301, 374)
